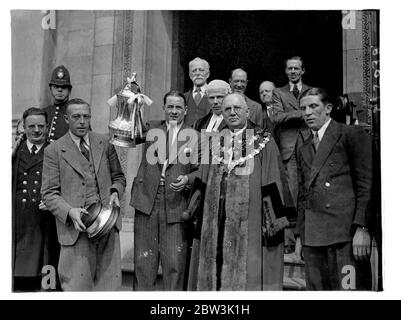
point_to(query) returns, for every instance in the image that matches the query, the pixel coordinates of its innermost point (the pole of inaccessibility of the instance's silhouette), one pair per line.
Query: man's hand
(361, 244)
(42, 206)
(180, 184)
(298, 249)
(75, 215)
(114, 200)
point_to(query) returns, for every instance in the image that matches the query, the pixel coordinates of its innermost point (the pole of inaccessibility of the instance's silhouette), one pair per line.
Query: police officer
(60, 89)
(34, 231)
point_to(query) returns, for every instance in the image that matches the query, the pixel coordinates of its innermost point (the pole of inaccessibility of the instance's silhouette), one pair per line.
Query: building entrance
(259, 42)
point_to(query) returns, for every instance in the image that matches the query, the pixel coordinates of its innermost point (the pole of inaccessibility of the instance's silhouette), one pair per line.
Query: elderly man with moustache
(335, 185)
(81, 169)
(197, 101)
(239, 231)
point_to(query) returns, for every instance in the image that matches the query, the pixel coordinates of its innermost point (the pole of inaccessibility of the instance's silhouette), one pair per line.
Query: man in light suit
(213, 121)
(238, 82)
(335, 175)
(197, 102)
(80, 169)
(288, 118)
(159, 195)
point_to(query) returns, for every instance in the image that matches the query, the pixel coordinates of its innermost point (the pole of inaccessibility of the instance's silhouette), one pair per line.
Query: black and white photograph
(194, 150)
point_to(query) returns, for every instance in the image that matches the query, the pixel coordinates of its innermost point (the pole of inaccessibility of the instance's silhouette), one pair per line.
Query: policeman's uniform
(55, 112)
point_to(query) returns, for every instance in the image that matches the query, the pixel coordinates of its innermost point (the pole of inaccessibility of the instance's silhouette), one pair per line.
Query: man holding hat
(60, 90)
(79, 170)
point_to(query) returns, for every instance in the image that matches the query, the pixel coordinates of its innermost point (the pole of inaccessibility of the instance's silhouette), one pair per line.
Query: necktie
(265, 116)
(198, 96)
(33, 149)
(316, 140)
(295, 91)
(84, 151)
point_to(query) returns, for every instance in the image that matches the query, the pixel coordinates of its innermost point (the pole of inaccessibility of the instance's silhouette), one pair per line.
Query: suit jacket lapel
(179, 150)
(308, 152)
(222, 125)
(71, 153)
(330, 138)
(96, 147)
(291, 98)
(304, 88)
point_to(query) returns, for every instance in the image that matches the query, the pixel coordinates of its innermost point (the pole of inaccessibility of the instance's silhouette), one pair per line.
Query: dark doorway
(259, 42)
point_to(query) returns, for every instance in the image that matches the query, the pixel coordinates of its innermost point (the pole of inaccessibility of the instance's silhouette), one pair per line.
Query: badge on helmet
(60, 77)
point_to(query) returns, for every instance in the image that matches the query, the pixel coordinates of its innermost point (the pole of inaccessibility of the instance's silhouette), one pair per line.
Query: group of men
(212, 193)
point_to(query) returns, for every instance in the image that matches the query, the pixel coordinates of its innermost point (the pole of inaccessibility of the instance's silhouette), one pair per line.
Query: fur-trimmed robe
(243, 264)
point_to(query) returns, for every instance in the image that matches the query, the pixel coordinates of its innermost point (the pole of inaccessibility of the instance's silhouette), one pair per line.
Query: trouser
(27, 284)
(156, 241)
(91, 265)
(290, 166)
(292, 178)
(273, 267)
(334, 268)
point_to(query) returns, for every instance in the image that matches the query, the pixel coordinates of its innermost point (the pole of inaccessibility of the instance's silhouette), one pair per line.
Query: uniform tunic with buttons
(55, 116)
(34, 237)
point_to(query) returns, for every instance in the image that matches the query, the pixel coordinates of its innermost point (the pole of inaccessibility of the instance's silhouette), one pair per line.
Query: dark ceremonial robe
(228, 252)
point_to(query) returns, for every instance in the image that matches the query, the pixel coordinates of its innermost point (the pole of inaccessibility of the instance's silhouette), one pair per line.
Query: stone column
(142, 43)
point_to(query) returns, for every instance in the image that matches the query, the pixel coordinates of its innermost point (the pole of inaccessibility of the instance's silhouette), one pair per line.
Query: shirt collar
(30, 145)
(203, 89)
(322, 130)
(299, 85)
(177, 127)
(215, 116)
(237, 133)
(77, 140)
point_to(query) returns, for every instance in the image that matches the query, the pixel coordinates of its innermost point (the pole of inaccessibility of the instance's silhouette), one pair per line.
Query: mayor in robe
(238, 242)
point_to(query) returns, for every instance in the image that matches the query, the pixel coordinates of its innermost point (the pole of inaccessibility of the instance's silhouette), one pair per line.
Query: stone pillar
(359, 37)
(27, 36)
(142, 42)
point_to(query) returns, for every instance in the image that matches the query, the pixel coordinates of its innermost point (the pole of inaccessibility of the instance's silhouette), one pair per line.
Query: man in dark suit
(60, 89)
(197, 103)
(266, 96)
(238, 83)
(213, 121)
(159, 196)
(81, 169)
(288, 117)
(335, 181)
(34, 238)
